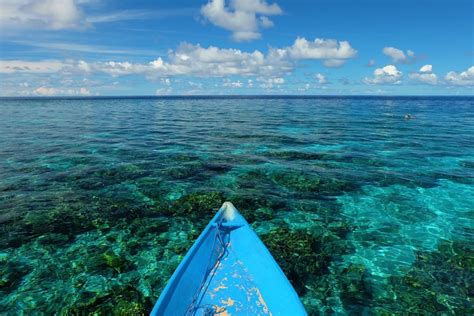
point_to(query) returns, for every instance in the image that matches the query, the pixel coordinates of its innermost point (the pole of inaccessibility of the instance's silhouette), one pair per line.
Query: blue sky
(336, 47)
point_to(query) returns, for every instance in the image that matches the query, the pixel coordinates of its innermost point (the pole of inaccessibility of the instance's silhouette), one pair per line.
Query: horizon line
(243, 96)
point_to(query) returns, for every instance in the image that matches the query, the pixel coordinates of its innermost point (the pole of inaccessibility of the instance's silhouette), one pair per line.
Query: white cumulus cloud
(43, 66)
(51, 91)
(84, 91)
(67, 15)
(465, 78)
(164, 91)
(269, 83)
(232, 84)
(189, 59)
(332, 52)
(386, 75)
(426, 68)
(194, 60)
(243, 18)
(46, 91)
(425, 75)
(166, 81)
(278, 80)
(321, 78)
(47, 14)
(398, 56)
(266, 22)
(115, 68)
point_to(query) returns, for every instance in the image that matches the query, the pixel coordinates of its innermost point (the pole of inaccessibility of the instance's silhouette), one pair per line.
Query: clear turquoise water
(365, 212)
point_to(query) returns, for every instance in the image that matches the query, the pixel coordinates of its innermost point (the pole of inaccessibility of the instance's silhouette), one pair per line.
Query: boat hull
(228, 271)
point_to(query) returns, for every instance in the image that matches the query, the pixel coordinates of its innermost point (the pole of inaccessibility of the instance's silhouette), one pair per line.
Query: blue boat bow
(228, 271)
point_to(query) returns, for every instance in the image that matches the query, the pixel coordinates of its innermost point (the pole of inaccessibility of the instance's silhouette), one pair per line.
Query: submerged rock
(353, 285)
(298, 254)
(305, 182)
(293, 155)
(438, 282)
(257, 207)
(298, 181)
(66, 219)
(198, 204)
(11, 274)
(119, 300)
(114, 261)
(184, 171)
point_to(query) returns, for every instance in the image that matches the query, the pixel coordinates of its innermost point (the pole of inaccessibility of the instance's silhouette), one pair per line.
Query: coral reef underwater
(365, 213)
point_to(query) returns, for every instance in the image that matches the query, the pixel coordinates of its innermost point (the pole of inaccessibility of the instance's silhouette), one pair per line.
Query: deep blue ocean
(364, 210)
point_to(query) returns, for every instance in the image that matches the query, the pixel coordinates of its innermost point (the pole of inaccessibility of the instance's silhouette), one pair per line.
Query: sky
(236, 47)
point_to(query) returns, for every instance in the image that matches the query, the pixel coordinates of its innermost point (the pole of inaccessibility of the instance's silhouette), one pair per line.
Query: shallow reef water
(365, 212)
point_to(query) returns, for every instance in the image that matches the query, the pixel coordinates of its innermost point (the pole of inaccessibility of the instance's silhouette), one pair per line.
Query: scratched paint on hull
(231, 289)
